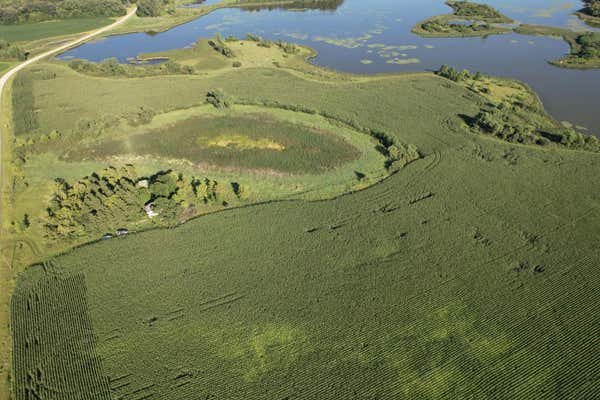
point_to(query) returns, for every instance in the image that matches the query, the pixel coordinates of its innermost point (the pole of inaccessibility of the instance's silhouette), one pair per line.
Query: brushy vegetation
(24, 11)
(112, 68)
(218, 99)
(480, 16)
(221, 47)
(288, 48)
(440, 27)
(517, 118)
(11, 52)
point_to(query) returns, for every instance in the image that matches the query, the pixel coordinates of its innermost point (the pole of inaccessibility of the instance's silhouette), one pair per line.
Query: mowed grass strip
(249, 141)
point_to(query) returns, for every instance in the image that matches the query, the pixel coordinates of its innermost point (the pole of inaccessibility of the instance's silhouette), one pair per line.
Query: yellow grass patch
(240, 142)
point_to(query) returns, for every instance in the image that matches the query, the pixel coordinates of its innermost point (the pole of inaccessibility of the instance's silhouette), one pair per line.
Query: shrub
(10, 51)
(453, 74)
(252, 38)
(218, 99)
(219, 45)
(142, 116)
(288, 48)
(111, 67)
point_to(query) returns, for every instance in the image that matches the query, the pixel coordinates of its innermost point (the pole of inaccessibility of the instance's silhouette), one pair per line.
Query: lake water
(374, 37)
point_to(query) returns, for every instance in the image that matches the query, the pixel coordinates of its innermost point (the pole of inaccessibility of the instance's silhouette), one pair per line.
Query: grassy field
(469, 273)
(42, 30)
(463, 276)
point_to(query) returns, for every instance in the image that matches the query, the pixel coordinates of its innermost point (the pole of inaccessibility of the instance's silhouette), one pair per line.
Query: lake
(374, 36)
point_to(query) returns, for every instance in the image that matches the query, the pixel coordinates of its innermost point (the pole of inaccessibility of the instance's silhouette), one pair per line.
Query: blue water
(350, 38)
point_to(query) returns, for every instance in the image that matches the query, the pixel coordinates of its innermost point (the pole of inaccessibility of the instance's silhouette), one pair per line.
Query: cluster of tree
(112, 67)
(592, 7)
(589, 43)
(118, 197)
(397, 154)
(28, 11)
(573, 139)
(218, 99)
(441, 26)
(151, 8)
(205, 189)
(220, 46)
(457, 76)
(94, 204)
(288, 48)
(513, 125)
(10, 52)
(469, 10)
(498, 123)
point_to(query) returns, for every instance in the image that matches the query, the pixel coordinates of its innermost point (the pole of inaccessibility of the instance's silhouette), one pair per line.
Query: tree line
(30, 11)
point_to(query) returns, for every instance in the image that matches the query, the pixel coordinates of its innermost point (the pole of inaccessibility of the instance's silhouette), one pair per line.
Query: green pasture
(42, 30)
